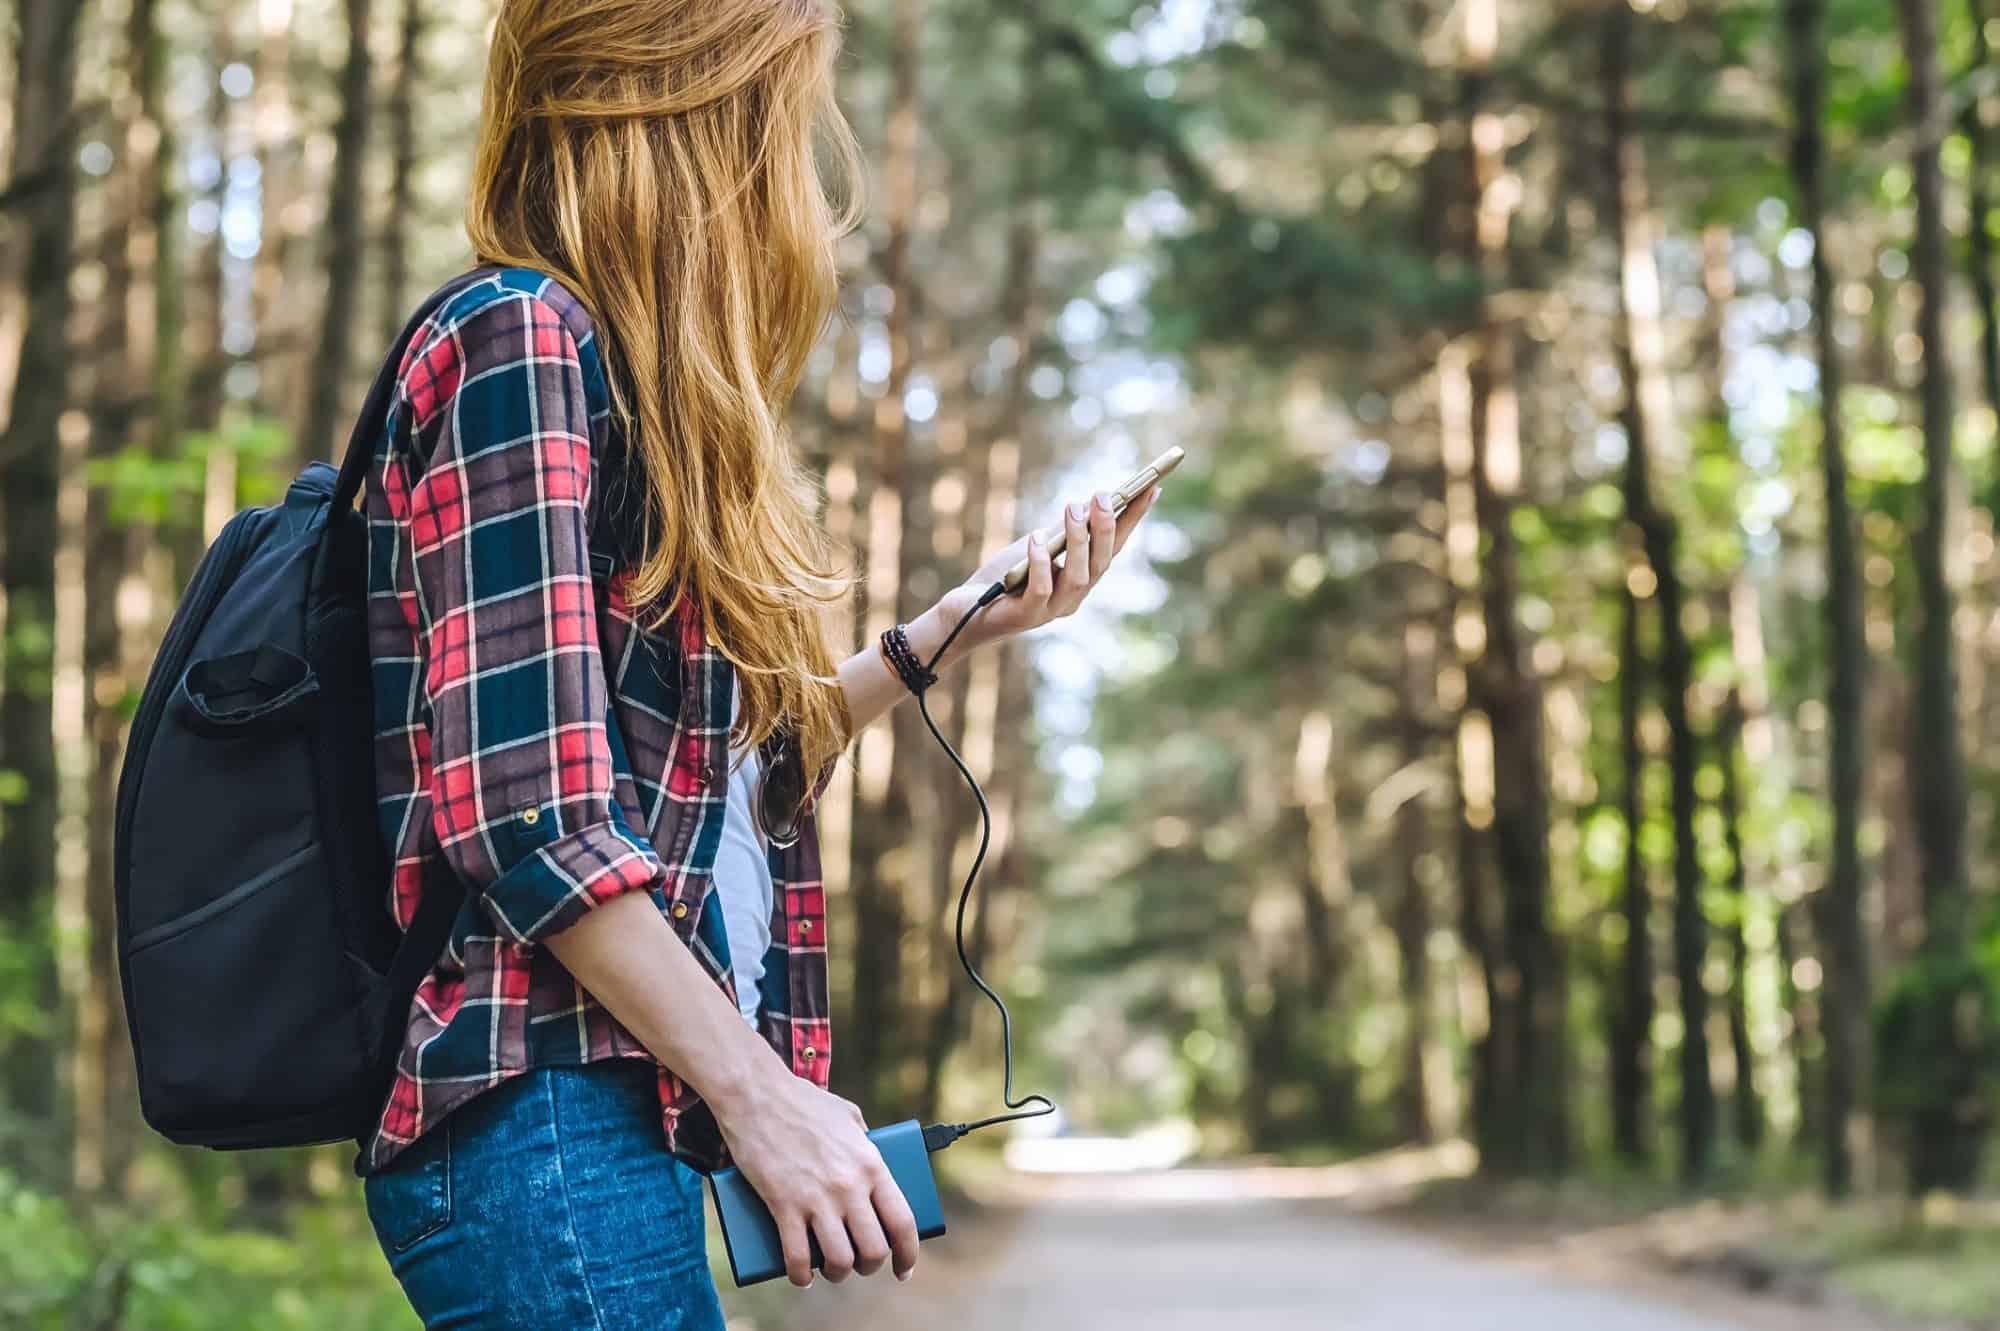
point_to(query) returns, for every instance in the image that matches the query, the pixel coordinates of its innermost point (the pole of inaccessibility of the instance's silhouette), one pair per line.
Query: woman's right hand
(807, 1154)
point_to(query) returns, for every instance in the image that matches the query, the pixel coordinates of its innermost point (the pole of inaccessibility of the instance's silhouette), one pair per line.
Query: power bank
(751, 1236)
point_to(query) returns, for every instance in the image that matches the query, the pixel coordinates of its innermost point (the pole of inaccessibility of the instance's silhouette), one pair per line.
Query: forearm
(872, 688)
(629, 958)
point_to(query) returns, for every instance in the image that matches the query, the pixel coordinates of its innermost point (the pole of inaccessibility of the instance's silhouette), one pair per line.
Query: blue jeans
(549, 1203)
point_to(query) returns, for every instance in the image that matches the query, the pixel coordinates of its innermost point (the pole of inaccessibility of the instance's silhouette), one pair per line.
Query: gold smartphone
(1142, 480)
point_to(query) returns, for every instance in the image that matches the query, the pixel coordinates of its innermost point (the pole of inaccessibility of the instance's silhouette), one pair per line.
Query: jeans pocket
(411, 1199)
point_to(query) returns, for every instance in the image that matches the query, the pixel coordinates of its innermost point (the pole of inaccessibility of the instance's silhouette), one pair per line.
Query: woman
(601, 679)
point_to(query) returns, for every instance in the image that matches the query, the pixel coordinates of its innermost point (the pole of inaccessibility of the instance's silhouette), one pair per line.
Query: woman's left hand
(1094, 536)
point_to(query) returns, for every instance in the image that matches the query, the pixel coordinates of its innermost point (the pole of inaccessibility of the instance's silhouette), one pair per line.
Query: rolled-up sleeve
(523, 800)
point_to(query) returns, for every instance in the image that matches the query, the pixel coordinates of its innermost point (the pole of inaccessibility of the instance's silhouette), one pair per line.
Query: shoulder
(508, 318)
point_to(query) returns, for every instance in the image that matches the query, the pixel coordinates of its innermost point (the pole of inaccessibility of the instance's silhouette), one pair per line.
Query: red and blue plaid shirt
(531, 735)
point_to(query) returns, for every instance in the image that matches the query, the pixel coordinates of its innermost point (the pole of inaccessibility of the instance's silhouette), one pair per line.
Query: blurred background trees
(1558, 701)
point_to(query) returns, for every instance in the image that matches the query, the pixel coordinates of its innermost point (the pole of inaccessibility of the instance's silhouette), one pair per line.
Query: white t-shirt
(743, 877)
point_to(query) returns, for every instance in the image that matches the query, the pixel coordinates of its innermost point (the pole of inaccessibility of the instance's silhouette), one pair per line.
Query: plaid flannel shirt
(532, 736)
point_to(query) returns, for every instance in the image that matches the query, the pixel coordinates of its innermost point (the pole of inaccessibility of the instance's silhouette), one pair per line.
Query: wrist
(742, 1077)
(928, 630)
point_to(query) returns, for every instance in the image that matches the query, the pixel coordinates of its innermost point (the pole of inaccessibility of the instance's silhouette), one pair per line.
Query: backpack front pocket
(248, 970)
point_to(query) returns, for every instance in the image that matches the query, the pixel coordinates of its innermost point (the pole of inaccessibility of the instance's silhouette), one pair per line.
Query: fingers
(871, 1248)
(1074, 579)
(1103, 525)
(874, 1228)
(1092, 537)
(1041, 576)
(899, 1226)
(798, 1253)
(836, 1253)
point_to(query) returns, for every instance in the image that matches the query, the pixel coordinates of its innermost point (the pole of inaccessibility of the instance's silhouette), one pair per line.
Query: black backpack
(266, 986)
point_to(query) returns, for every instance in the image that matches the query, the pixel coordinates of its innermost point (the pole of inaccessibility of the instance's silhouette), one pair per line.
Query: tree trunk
(1632, 1016)
(1323, 878)
(1808, 1016)
(403, 174)
(882, 825)
(1529, 1112)
(1528, 1129)
(1847, 993)
(1979, 201)
(115, 546)
(1450, 195)
(274, 127)
(1748, 1107)
(108, 553)
(1472, 756)
(166, 362)
(346, 246)
(1943, 1155)
(1737, 606)
(1647, 416)
(167, 353)
(45, 145)
(1896, 872)
(1267, 1041)
(1475, 930)
(206, 320)
(1939, 784)
(1412, 914)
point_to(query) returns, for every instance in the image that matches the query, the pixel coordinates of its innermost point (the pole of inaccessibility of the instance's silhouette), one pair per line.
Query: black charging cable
(937, 1136)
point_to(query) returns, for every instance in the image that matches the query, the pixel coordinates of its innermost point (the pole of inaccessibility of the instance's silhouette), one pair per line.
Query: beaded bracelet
(902, 659)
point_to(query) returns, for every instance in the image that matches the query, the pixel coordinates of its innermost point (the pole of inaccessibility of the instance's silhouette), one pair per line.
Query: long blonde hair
(658, 158)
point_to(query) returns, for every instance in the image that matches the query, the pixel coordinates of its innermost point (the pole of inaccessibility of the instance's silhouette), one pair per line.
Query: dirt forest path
(1099, 1256)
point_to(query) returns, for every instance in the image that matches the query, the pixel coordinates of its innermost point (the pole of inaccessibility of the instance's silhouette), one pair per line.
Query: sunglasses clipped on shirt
(781, 794)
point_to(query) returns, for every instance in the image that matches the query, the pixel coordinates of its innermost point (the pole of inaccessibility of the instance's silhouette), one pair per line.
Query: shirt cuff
(555, 884)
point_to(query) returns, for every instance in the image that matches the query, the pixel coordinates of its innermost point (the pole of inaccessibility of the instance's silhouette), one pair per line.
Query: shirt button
(805, 926)
(680, 910)
(811, 1053)
(531, 816)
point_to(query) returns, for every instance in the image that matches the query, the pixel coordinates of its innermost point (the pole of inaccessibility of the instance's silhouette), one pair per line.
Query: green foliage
(1884, 447)
(62, 1268)
(1930, 1273)
(264, 455)
(1280, 284)
(162, 490)
(143, 487)
(1937, 1062)
(1937, 1016)
(1935, 1263)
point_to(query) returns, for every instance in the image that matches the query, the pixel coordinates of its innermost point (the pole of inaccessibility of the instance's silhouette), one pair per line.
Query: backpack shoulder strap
(421, 946)
(361, 443)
